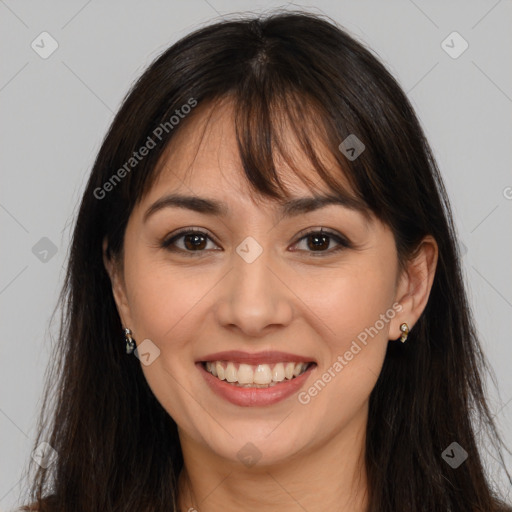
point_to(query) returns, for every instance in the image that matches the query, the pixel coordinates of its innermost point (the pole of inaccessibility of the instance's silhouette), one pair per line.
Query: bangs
(275, 127)
(292, 108)
(282, 129)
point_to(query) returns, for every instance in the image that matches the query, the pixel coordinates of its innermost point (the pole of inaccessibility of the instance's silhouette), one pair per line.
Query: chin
(257, 445)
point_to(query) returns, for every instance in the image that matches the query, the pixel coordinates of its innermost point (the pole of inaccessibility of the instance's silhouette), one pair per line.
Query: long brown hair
(118, 449)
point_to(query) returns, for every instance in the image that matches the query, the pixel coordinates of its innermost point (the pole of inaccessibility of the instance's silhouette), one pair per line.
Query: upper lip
(265, 357)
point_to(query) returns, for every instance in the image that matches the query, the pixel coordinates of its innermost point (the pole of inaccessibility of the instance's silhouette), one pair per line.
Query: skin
(192, 306)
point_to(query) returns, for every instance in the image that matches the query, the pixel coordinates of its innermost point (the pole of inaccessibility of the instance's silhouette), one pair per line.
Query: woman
(264, 301)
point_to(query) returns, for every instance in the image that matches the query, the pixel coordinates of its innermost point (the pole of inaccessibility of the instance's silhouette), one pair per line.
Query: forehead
(203, 159)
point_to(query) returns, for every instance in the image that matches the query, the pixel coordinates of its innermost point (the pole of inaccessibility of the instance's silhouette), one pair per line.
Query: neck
(327, 477)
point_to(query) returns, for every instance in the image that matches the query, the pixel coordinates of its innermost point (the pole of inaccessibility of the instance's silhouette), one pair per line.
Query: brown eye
(192, 241)
(196, 241)
(319, 242)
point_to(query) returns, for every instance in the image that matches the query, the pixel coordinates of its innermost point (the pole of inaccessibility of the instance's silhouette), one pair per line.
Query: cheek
(160, 297)
(355, 344)
(162, 301)
(361, 317)
(351, 300)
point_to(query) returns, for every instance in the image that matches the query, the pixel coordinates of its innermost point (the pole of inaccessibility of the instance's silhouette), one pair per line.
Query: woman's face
(255, 284)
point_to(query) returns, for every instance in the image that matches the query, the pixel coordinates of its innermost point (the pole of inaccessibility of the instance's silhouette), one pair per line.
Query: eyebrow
(290, 208)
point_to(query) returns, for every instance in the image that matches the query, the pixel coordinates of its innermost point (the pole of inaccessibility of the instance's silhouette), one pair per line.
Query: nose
(255, 298)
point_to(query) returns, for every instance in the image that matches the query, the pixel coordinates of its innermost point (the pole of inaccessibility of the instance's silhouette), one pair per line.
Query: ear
(118, 286)
(415, 284)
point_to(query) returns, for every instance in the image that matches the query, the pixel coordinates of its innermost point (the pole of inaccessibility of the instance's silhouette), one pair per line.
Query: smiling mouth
(256, 376)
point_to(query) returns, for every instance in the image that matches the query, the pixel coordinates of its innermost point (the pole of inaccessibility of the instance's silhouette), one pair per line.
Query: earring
(130, 344)
(405, 332)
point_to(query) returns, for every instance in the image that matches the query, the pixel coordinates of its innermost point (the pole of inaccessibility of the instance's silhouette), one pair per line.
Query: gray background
(55, 112)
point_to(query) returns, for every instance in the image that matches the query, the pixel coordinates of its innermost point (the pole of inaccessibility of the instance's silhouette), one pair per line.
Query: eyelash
(343, 242)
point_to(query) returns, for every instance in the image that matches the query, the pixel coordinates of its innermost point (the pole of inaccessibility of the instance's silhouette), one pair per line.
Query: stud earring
(130, 344)
(405, 332)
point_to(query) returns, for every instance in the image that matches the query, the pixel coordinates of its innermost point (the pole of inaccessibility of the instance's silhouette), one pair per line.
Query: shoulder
(45, 504)
(34, 507)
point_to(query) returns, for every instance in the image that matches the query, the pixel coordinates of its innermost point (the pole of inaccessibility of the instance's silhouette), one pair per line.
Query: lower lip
(254, 397)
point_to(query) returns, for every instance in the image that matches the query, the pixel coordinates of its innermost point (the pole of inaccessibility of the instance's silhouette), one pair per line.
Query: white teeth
(261, 375)
(211, 367)
(288, 370)
(245, 374)
(231, 373)
(220, 370)
(278, 372)
(298, 369)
